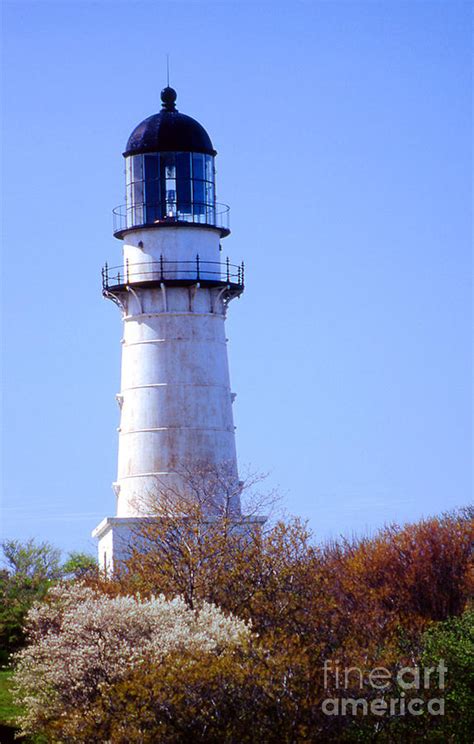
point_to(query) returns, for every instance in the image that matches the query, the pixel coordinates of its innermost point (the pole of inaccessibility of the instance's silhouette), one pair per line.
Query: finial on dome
(168, 96)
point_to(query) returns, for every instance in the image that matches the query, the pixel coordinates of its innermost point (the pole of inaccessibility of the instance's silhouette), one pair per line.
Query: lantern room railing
(207, 273)
(136, 216)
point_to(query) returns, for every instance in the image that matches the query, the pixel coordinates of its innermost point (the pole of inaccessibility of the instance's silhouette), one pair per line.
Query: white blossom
(80, 640)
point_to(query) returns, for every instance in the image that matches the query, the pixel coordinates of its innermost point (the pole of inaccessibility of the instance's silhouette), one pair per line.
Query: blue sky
(343, 132)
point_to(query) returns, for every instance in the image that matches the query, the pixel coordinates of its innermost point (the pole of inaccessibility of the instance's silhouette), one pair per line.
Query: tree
(79, 565)
(356, 594)
(81, 643)
(453, 642)
(35, 562)
(193, 533)
(243, 695)
(30, 569)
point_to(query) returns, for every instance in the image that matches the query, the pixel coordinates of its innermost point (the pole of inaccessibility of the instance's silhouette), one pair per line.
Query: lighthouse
(173, 286)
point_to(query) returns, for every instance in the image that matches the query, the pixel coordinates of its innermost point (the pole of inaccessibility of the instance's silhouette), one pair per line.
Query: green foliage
(31, 561)
(449, 645)
(30, 569)
(79, 565)
(453, 642)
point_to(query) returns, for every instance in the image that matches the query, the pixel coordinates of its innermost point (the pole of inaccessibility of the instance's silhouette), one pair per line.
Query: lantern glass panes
(183, 183)
(170, 185)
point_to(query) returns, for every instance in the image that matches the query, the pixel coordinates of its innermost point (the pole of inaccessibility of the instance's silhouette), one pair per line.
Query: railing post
(243, 273)
(197, 267)
(228, 269)
(161, 266)
(118, 278)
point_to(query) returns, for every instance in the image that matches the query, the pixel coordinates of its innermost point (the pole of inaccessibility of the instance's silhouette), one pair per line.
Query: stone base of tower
(119, 536)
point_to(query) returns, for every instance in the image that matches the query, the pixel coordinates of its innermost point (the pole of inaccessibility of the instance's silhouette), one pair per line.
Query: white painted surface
(176, 405)
(116, 537)
(179, 244)
(175, 398)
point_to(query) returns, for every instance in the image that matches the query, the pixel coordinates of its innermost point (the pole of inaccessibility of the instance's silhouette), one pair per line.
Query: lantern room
(170, 174)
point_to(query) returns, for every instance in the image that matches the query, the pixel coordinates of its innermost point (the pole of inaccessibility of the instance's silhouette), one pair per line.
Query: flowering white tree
(81, 641)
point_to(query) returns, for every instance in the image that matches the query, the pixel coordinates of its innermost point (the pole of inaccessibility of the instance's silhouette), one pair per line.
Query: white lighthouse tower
(173, 288)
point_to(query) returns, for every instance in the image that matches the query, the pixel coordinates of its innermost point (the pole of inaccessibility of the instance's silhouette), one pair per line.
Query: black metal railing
(174, 272)
(126, 217)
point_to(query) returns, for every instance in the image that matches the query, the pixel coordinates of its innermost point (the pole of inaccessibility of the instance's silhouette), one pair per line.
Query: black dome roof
(169, 131)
